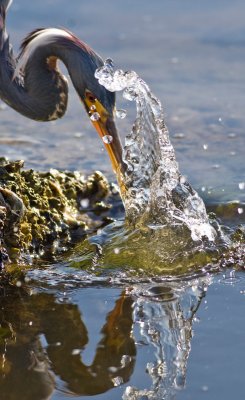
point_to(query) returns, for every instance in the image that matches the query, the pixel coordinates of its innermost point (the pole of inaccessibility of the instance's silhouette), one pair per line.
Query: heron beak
(108, 133)
(106, 128)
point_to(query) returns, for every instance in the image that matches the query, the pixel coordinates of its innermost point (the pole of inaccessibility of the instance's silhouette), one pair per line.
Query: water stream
(156, 193)
(167, 228)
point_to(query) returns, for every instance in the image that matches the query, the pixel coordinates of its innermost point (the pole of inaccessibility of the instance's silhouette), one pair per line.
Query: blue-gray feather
(41, 91)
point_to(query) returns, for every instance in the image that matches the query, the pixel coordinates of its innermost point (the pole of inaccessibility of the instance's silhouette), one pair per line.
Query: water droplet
(135, 160)
(204, 388)
(232, 153)
(95, 116)
(220, 119)
(203, 188)
(241, 185)
(240, 210)
(116, 250)
(125, 360)
(179, 135)
(18, 283)
(112, 369)
(103, 72)
(205, 146)
(30, 323)
(231, 135)
(230, 278)
(84, 203)
(131, 77)
(93, 108)
(215, 166)
(130, 94)
(78, 134)
(182, 179)
(75, 352)
(107, 139)
(114, 189)
(117, 381)
(109, 62)
(121, 114)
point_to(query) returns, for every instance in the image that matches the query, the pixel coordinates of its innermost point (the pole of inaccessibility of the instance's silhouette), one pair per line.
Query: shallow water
(66, 335)
(68, 325)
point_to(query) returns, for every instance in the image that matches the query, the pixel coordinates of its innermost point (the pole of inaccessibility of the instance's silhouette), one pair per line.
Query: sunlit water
(76, 332)
(167, 228)
(155, 192)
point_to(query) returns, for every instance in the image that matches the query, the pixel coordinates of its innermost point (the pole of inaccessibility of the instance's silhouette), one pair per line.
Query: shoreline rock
(42, 212)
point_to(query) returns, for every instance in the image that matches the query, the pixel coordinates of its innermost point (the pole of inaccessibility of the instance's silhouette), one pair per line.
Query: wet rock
(38, 209)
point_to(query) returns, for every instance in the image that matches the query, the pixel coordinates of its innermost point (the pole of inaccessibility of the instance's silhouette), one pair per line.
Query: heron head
(51, 44)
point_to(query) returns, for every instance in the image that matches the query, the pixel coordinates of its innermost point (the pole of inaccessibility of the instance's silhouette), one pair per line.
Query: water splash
(107, 139)
(121, 114)
(157, 195)
(95, 116)
(163, 317)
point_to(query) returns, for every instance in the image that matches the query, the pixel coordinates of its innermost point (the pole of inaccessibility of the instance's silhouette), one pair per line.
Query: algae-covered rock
(44, 213)
(41, 212)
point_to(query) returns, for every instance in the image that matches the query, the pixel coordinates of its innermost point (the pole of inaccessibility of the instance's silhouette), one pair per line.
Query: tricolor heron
(33, 85)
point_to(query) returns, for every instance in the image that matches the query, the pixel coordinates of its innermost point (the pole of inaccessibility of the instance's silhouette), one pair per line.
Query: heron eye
(90, 97)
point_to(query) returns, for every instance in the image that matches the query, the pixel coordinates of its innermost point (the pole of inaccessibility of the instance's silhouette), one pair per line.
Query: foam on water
(156, 193)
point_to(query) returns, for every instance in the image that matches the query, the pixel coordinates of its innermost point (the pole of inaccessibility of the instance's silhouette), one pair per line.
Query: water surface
(68, 333)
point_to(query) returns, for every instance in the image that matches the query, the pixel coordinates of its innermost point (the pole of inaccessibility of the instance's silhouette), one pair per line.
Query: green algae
(43, 212)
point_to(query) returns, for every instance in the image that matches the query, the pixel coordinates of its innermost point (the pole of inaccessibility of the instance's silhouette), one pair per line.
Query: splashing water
(156, 194)
(121, 113)
(107, 139)
(164, 316)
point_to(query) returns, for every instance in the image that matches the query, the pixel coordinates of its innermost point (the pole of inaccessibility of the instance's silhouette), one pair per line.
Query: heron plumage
(34, 86)
(25, 93)
(37, 38)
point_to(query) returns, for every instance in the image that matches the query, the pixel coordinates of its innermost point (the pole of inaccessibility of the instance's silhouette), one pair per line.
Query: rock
(43, 212)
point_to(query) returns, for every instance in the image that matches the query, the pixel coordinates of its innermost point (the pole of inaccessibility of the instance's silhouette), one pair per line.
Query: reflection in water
(39, 335)
(23, 360)
(43, 339)
(164, 315)
(114, 358)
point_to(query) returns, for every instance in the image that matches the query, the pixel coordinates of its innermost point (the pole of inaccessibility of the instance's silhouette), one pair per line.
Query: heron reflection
(25, 321)
(43, 341)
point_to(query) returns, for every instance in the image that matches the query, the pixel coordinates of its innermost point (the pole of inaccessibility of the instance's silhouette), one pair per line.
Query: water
(121, 113)
(155, 193)
(71, 336)
(158, 200)
(192, 57)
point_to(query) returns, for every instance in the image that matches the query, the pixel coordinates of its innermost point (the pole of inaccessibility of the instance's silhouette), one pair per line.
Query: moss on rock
(41, 212)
